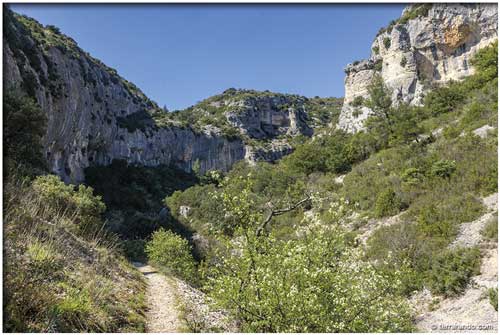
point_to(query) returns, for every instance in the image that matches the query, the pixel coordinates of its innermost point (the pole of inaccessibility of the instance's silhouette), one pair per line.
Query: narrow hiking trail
(162, 315)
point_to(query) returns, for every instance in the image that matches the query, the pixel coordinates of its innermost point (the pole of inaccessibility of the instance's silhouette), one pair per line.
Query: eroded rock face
(265, 116)
(275, 150)
(83, 123)
(95, 116)
(433, 48)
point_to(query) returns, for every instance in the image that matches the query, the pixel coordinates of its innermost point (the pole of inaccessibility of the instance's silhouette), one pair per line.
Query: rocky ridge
(95, 116)
(430, 44)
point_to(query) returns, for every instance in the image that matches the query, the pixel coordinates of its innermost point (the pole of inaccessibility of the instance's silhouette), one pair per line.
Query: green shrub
(376, 50)
(444, 100)
(490, 230)
(53, 29)
(400, 242)
(357, 101)
(451, 270)
(23, 128)
(438, 214)
(135, 250)
(451, 132)
(308, 284)
(173, 253)
(387, 204)
(403, 61)
(485, 61)
(61, 197)
(412, 176)
(493, 296)
(387, 42)
(478, 112)
(378, 65)
(443, 168)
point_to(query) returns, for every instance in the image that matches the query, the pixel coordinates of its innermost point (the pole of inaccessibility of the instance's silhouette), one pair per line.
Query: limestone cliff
(430, 44)
(95, 116)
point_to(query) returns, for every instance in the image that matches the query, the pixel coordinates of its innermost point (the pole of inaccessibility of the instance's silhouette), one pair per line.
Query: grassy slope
(57, 279)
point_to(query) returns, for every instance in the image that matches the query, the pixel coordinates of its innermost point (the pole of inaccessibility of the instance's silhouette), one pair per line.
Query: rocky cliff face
(271, 115)
(95, 116)
(430, 44)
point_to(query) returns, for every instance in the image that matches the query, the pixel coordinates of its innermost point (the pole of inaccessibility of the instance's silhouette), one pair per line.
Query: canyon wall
(430, 44)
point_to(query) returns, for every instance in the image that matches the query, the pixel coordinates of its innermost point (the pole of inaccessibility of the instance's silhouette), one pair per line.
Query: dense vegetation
(277, 245)
(424, 162)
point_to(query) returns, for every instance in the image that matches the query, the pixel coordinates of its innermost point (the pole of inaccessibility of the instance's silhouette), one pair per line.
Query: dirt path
(162, 316)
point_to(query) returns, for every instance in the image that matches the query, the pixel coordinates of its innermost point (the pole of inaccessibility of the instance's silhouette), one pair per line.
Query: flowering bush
(316, 282)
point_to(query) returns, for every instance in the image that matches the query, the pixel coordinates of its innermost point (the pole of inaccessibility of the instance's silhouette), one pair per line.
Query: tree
(24, 127)
(316, 282)
(407, 126)
(380, 103)
(391, 125)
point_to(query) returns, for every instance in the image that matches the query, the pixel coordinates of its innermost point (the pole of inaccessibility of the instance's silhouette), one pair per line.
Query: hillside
(95, 116)
(256, 211)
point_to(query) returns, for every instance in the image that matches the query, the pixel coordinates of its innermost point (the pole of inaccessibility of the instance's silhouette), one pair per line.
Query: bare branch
(277, 212)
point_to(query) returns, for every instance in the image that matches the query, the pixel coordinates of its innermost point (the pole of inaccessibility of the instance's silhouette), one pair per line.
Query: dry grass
(58, 279)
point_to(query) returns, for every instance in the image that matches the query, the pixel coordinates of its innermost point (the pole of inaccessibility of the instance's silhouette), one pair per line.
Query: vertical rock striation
(95, 116)
(430, 44)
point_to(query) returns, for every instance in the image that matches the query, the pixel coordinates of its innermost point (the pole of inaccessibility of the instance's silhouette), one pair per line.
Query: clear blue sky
(181, 54)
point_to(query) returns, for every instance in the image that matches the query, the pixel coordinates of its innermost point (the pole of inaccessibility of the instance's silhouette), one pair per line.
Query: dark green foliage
(443, 168)
(53, 29)
(390, 125)
(387, 203)
(451, 270)
(24, 126)
(403, 61)
(444, 99)
(335, 153)
(138, 120)
(387, 42)
(378, 65)
(133, 194)
(493, 296)
(135, 250)
(486, 64)
(376, 50)
(358, 101)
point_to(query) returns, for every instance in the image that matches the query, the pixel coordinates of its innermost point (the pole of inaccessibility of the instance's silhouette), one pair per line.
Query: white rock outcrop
(414, 54)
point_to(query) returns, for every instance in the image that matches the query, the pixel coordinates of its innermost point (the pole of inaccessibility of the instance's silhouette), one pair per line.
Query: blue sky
(180, 54)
